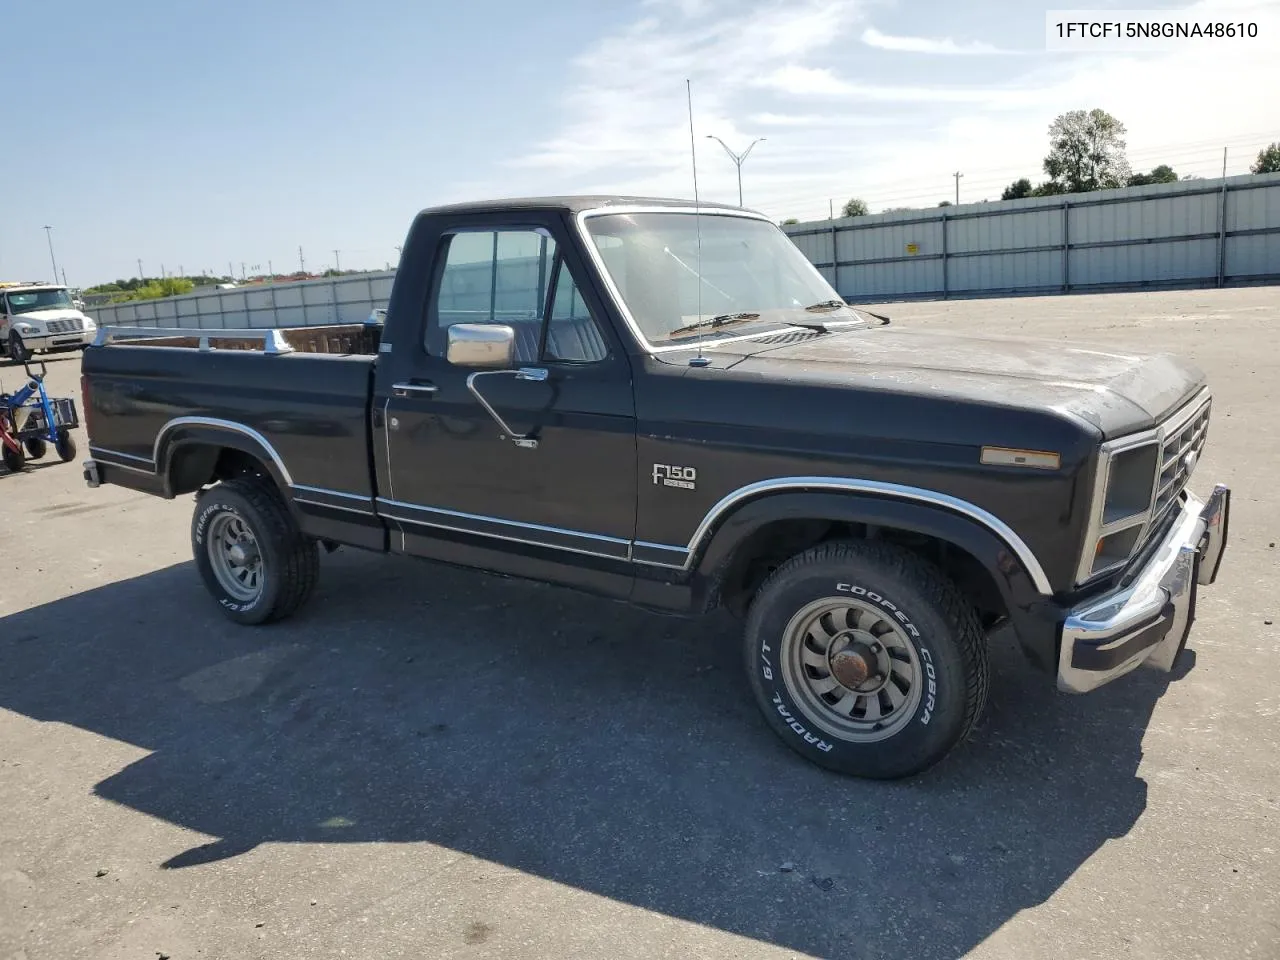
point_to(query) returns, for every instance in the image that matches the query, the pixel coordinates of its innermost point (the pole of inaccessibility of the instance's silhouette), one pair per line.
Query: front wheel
(18, 351)
(36, 447)
(250, 553)
(866, 659)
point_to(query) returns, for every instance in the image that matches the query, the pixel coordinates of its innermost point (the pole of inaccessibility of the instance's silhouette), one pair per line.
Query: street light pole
(738, 158)
(48, 232)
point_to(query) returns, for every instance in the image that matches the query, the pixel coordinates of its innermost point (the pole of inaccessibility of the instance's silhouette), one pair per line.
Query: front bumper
(60, 341)
(1149, 620)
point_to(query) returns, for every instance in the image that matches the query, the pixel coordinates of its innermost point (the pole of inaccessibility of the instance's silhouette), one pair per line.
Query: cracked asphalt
(428, 762)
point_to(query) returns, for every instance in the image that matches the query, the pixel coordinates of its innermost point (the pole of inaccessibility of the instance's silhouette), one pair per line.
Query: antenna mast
(700, 360)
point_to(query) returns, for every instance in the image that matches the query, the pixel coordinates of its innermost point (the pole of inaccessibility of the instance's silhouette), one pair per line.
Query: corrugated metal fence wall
(348, 299)
(1190, 233)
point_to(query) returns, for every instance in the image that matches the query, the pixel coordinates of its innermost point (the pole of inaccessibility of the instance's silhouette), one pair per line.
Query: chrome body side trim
(573, 541)
(894, 490)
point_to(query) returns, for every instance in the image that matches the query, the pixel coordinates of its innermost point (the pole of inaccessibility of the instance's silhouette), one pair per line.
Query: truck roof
(570, 204)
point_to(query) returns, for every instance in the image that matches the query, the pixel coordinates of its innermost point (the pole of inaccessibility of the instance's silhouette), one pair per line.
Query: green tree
(790, 220)
(1017, 190)
(855, 208)
(944, 203)
(1161, 174)
(1048, 189)
(1086, 151)
(1268, 160)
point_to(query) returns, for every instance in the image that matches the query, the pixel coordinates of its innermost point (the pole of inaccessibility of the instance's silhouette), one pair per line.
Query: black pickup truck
(668, 405)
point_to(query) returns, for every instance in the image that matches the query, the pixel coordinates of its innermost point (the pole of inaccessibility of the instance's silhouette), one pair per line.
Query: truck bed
(309, 411)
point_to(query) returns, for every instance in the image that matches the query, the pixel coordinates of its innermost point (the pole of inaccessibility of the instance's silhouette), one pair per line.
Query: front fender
(1020, 589)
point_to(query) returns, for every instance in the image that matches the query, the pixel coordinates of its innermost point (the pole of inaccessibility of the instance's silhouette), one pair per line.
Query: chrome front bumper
(1148, 621)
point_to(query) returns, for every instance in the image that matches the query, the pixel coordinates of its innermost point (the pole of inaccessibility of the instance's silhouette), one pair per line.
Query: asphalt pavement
(427, 762)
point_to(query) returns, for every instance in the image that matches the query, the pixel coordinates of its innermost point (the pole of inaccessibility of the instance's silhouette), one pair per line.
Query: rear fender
(184, 436)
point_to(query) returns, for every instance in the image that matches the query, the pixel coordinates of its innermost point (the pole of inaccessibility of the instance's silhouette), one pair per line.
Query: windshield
(29, 300)
(748, 272)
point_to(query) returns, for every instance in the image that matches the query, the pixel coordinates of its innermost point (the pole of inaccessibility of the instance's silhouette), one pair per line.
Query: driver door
(496, 467)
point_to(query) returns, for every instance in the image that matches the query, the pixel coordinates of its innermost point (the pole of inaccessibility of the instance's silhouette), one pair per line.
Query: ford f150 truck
(40, 317)
(668, 404)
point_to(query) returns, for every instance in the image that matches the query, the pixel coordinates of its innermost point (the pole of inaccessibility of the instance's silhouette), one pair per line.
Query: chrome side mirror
(489, 346)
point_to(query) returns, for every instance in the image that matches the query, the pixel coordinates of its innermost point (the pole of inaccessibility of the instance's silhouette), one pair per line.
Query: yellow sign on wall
(913, 248)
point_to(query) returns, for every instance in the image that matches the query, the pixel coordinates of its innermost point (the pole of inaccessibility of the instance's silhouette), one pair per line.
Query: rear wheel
(36, 448)
(866, 659)
(65, 446)
(250, 553)
(14, 460)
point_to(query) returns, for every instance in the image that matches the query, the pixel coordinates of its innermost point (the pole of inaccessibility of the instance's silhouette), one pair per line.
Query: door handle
(413, 389)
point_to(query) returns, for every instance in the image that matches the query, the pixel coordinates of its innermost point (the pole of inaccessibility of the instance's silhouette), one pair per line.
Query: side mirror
(490, 346)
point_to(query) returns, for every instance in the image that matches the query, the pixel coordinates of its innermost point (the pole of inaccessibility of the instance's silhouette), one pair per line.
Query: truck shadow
(573, 739)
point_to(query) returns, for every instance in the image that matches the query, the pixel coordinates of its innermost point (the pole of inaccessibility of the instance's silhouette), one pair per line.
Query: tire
(14, 460)
(36, 448)
(65, 446)
(18, 351)
(288, 562)
(908, 640)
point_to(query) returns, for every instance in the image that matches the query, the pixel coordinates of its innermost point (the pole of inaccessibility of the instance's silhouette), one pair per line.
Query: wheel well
(197, 465)
(773, 544)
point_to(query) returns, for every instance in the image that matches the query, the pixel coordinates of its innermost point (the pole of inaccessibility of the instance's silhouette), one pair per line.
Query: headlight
(24, 328)
(1139, 480)
(1128, 479)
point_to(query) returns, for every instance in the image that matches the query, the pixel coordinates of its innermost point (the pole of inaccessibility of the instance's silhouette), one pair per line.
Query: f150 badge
(666, 475)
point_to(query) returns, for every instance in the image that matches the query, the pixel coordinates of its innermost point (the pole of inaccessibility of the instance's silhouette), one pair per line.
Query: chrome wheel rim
(235, 557)
(852, 668)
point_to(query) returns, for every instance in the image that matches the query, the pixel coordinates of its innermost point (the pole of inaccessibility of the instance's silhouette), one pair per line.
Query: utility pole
(182, 271)
(64, 277)
(48, 232)
(271, 270)
(399, 254)
(139, 268)
(957, 175)
(337, 264)
(163, 272)
(302, 264)
(231, 270)
(738, 158)
(243, 274)
(831, 209)
(1224, 163)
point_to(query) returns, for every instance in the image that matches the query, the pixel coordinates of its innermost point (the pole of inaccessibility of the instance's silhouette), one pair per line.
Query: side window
(504, 276)
(497, 276)
(572, 336)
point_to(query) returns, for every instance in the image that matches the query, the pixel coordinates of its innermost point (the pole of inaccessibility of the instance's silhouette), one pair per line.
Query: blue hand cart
(31, 420)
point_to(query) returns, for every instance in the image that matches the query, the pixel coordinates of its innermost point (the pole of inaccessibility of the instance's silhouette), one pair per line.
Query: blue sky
(237, 133)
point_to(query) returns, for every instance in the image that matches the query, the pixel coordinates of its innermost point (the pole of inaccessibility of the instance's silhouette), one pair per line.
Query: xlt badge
(686, 478)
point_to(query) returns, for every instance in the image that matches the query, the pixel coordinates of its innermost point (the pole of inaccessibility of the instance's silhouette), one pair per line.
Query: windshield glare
(745, 266)
(30, 300)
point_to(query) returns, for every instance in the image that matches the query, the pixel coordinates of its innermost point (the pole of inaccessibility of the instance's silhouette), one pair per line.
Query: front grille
(66, 326)
(1184, 440)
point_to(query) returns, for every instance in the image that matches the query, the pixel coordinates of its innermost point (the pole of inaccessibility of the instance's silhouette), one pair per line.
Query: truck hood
(1116, 391)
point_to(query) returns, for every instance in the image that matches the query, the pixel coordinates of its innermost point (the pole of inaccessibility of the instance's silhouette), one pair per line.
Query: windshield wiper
(826, 305)
(723, 320)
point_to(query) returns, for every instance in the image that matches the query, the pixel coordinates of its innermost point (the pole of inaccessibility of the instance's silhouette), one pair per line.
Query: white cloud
(874, 38)
(838, 126)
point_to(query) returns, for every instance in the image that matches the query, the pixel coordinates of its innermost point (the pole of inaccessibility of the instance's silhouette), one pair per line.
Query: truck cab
(41, 318)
